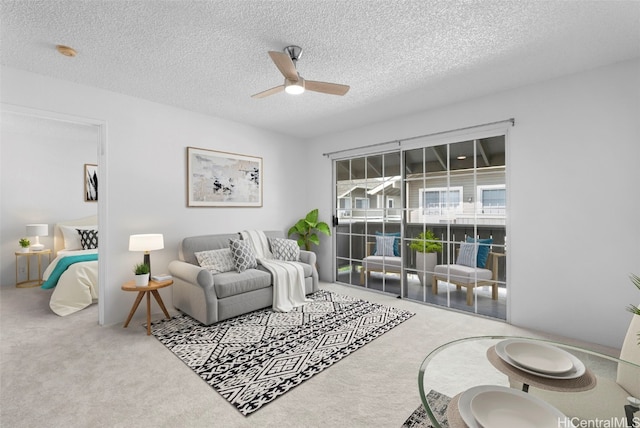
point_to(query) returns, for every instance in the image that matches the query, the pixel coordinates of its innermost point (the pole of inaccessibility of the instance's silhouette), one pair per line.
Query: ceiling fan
(293, 82)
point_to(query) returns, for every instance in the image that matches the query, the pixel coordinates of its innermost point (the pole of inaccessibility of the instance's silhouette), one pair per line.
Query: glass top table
(595, 392)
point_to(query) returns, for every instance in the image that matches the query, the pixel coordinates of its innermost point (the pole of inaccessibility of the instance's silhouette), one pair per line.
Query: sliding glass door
(456, 197)
(368, 205)
(403, 218)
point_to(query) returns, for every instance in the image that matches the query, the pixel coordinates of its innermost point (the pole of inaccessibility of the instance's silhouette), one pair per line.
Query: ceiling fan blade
(326, 88)
(268, 92)
(285, 65)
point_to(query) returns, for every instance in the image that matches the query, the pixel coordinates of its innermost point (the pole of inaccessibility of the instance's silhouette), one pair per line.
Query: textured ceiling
(398, 56)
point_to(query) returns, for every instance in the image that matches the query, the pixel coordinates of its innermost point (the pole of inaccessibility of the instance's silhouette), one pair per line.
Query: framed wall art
(90, 182)
(220, 179)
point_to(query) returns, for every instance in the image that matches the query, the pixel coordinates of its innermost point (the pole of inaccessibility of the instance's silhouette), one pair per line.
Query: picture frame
(90, 182)
(223, 179)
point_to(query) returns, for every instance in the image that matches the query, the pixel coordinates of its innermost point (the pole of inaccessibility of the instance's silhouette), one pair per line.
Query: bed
(73, 274)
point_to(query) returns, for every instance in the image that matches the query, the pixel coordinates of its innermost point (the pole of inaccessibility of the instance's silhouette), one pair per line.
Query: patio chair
(466, 273)
(379, 263)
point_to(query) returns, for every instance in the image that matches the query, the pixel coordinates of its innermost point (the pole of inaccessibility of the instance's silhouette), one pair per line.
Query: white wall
(41, 171)
(576, 141)
(568, 273)
(145, 176)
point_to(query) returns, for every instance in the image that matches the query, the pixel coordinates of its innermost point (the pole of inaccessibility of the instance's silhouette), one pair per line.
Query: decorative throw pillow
(216, 261)
(483, 250)
(72, 237)
(88, 239)
(285, 249)
(243, 255)
(384, 245)
(467, 256)
(396, 242)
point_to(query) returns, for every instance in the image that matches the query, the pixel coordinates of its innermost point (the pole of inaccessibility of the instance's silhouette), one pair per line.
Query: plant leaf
(324, 228)
(633, 309)
(302, 227)
(314, 238)
(312, 217)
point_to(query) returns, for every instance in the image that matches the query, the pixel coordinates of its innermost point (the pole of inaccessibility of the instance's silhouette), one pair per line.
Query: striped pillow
(384, 245)
(468, 254)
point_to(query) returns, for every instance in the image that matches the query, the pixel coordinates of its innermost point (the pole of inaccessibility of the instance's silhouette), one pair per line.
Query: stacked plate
(491, 406)
(540, 359)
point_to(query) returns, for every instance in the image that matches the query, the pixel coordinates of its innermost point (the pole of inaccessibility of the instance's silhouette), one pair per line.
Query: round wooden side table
(150, 289)
(31, 282)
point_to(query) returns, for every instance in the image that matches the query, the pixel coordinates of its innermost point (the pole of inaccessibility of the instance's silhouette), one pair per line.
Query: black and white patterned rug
(419, 417)
(253, 359)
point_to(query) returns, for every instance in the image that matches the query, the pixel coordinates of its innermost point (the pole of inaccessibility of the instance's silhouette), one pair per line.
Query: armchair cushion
(463, 274)
(382, 263)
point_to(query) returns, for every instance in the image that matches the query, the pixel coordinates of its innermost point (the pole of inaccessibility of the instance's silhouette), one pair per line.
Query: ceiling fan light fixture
(294, 83)
(294, 87)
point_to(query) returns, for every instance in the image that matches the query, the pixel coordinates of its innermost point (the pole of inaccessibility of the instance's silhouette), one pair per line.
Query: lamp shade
(37, 229)
(146, 242)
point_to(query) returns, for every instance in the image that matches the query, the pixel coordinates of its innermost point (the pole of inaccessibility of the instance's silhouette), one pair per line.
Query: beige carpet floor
(70, 372)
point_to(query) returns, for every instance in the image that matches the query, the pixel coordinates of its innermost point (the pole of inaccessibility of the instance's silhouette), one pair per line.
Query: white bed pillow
(72, 237)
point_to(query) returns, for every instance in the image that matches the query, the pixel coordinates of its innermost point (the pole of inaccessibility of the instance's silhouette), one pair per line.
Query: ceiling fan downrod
(294, 52)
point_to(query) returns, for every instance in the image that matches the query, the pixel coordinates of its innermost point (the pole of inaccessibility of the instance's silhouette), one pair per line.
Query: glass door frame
(501, 130)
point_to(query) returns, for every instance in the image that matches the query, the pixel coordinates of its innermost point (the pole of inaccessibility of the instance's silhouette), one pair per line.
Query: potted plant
(24, 244)
(426, 245)
(142, 274)
(306, 229)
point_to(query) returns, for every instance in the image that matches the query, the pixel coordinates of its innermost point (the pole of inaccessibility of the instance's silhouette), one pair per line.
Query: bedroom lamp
(146, 242)
(37, 230)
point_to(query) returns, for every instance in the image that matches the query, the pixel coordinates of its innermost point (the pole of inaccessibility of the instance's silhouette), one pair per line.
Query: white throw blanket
(288, 277)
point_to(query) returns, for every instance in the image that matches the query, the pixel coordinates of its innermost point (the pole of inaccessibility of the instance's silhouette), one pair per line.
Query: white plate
(464, 404)
(502, 407)
(539, 357)
(577, 371)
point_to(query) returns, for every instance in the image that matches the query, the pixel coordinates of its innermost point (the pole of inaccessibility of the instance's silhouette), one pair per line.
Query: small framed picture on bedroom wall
(90, 182)
(221, 179)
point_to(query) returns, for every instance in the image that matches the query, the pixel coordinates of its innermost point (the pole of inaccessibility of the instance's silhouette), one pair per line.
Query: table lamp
(37, 230)
(146, 242)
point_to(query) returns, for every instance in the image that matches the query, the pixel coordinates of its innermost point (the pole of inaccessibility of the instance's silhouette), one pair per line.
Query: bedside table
(31, 282)
(150, 289)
